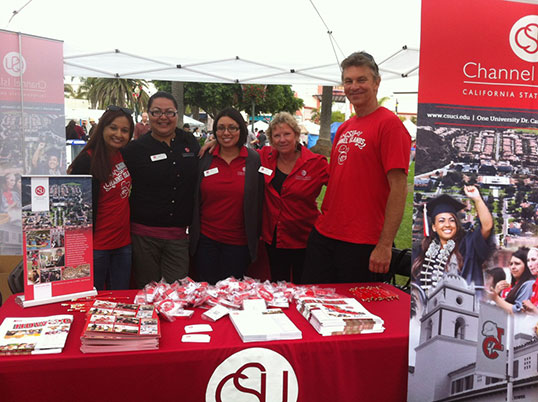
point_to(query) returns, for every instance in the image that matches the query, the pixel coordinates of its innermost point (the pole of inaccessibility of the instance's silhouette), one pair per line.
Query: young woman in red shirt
(111, 186)
(227, 206)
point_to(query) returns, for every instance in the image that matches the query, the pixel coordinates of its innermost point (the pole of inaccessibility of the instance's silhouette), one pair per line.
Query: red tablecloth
(343, 368)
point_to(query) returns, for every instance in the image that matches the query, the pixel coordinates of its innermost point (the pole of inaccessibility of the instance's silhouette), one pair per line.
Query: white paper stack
(261, 326)
(339, 316)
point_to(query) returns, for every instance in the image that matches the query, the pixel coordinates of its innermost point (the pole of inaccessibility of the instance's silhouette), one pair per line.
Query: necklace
(434, 265)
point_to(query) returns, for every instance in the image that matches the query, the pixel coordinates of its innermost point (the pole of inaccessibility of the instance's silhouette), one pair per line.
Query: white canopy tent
(245, 41)
(192, 122)
(411, 128)
(117, 64)
(310, 127)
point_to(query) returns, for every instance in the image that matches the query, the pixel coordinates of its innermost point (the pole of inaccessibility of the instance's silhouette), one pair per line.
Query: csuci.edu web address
(448, 116)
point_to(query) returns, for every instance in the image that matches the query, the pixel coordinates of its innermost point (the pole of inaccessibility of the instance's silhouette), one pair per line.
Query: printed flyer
(475, 257)
(57, 235)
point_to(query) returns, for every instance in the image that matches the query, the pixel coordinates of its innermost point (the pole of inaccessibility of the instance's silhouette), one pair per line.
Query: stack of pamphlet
(260, 326)
(119, 327)
(34, 335)
(339, 316)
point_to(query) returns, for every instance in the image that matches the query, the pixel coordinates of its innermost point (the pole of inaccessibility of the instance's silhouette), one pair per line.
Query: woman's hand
(472, 192)
(529, 307)
(500, 286)
(208, 146)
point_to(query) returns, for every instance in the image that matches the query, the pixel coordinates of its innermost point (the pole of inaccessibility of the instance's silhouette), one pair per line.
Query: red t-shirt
(364, 150)
(222, 191)
(293, 211)
(112, 229)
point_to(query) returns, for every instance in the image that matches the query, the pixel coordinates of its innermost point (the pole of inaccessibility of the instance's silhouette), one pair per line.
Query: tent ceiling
(118, 64)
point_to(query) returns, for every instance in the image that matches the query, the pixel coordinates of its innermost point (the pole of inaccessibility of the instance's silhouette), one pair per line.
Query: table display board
(57, 238)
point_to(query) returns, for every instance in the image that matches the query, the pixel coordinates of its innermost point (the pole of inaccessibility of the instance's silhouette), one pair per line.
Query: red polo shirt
(222, 191)
(293, 211)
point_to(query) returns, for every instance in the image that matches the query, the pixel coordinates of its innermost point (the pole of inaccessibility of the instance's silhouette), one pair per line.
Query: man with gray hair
(365, 198)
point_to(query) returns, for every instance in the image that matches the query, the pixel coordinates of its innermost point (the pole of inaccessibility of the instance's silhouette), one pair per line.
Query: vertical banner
(32, 133)
(57, 234)
(476, 193)
(491, 353)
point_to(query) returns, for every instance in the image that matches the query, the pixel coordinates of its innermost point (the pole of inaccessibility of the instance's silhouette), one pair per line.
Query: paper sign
(40, 194)
(198, 338)
(198, 328)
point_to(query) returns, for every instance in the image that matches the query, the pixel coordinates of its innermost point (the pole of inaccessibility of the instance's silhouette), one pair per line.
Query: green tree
(214, 97)
(315, 115)
(383, 100)
(102, 92)
(337, 116)
(69, 92)
(278, 98)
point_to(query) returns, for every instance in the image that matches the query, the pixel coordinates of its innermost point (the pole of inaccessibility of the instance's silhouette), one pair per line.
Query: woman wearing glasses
(163, 165)
(293, 178)
(228, 203)
(111, 185)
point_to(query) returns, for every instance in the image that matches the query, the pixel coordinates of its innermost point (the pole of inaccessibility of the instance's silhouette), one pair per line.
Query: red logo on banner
(492, 343)
(40, 190)
(524, 38)
(14, 64)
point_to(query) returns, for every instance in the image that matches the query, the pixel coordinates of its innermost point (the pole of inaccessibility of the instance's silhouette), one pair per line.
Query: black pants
(216, 261)
(286, 263)
(334, 261)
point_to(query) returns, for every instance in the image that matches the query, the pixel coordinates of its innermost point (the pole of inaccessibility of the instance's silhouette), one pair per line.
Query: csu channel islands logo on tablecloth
(14, 64)
(253, 375)
(524, 38)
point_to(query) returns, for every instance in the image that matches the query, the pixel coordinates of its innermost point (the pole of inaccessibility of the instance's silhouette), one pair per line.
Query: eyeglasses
(231, 129)
(114, 108)
(159, 113)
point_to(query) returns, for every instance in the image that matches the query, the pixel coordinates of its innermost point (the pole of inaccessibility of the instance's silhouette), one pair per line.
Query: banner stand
(31, 303)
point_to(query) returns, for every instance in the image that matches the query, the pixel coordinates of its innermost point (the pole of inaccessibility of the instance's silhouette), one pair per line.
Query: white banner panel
(491, 353)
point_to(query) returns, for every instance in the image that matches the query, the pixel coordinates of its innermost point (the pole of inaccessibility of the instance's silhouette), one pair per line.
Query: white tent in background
(411, 128)
(83, 114)
(192, 122)
(260, 125)
(310, 127)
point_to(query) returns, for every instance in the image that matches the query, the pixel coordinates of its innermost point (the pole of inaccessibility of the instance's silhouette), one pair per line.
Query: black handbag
(400, 264)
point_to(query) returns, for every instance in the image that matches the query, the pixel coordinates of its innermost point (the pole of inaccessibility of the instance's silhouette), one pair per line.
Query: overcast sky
(269, 31)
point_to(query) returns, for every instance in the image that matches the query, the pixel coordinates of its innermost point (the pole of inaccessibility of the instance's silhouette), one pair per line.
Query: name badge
(158, 157)
(265, 171)
(211, 172)
(120, 166)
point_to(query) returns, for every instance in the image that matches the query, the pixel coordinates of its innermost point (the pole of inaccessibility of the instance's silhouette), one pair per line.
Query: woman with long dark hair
(447, 245)
(111, 186)
(520, 288)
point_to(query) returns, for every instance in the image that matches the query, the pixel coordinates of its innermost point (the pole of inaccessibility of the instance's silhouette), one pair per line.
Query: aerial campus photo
(499, 164)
